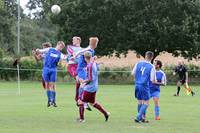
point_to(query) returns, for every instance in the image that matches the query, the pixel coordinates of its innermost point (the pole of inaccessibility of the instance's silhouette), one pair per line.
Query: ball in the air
(55, 9)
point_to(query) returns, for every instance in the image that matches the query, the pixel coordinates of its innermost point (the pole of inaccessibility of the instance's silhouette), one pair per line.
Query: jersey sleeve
(153, 74)
(63, 57)
(164, 79)
(82, 51)
(43, 51)
(134, 70)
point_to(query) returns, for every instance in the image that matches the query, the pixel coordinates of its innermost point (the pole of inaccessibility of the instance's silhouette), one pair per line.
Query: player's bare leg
(156, 108)
(86, 105)
(43, 84)
(140, 102)
(53, 94)
(178, 88)
(47, 86)
(81, 111)
(102, 110)
(142, 111)
(144, 114)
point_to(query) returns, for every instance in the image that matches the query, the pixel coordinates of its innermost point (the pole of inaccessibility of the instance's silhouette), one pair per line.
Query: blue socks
(142, 111)
(51, 95)
(144, 114)
(139, 106)
(157, 111)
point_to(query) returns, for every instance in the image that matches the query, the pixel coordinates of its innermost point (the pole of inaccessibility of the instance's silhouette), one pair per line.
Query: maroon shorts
(72, 70)
(88, 97)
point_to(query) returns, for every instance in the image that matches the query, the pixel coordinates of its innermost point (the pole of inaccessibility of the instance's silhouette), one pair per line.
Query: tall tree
(6, 34)
(8, 17)
(139, 25)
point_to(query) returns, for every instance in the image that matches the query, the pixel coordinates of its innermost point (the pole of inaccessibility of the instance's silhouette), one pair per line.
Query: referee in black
(182, 72)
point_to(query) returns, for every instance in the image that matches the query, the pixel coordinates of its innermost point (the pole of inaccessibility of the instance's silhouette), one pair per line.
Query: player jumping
(90, 87)
(53, 56)
(82, 64)
(39, 56)
(73, 63)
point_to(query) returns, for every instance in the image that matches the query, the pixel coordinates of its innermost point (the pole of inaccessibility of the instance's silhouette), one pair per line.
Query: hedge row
(31, 70)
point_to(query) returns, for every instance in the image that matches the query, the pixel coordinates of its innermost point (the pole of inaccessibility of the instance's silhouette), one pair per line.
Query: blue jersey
(70, 51)
(52, 58)
(92, 77)
(161, 78)
(81, 62)
(144, 72)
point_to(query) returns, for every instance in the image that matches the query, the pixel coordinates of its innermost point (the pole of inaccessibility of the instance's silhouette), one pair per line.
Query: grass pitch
(28, 113)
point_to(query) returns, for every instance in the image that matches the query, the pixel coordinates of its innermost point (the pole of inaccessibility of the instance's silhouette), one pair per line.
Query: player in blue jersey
(53, 56)
(39, 56)
(93, 41)
(155, 87)
(90, 87)
(144, 73)
(81, 69)
(73, 63)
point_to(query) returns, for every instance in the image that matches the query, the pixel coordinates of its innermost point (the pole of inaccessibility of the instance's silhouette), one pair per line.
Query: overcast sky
(23, 3)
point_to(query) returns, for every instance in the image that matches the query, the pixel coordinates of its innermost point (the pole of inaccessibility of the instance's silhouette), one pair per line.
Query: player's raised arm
(81, 52)
(42, 51)
(37, 56)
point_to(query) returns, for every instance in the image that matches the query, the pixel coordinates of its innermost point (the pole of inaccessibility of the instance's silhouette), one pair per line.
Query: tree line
(139, 25)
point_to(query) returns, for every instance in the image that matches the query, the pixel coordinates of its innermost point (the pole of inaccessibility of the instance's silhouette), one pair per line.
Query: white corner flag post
(18, 45)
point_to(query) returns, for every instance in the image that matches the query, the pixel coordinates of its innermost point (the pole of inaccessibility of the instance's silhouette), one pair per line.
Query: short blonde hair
(61, 42)
(87, 55)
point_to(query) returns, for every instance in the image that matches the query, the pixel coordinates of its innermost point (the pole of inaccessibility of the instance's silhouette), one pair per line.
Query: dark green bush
(32, 70)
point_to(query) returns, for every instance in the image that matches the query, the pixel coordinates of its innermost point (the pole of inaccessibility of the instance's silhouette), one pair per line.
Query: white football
(55, 9)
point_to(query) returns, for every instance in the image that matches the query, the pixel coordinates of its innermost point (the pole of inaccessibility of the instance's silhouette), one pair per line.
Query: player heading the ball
(53, 56)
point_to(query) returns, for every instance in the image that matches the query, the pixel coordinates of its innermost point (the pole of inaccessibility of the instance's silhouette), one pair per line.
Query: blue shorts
(49, 75)
(142, 93)
(81, 73)
(155, 94)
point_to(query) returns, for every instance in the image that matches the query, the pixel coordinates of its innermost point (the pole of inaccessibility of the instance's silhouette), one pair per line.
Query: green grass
(28, 113)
